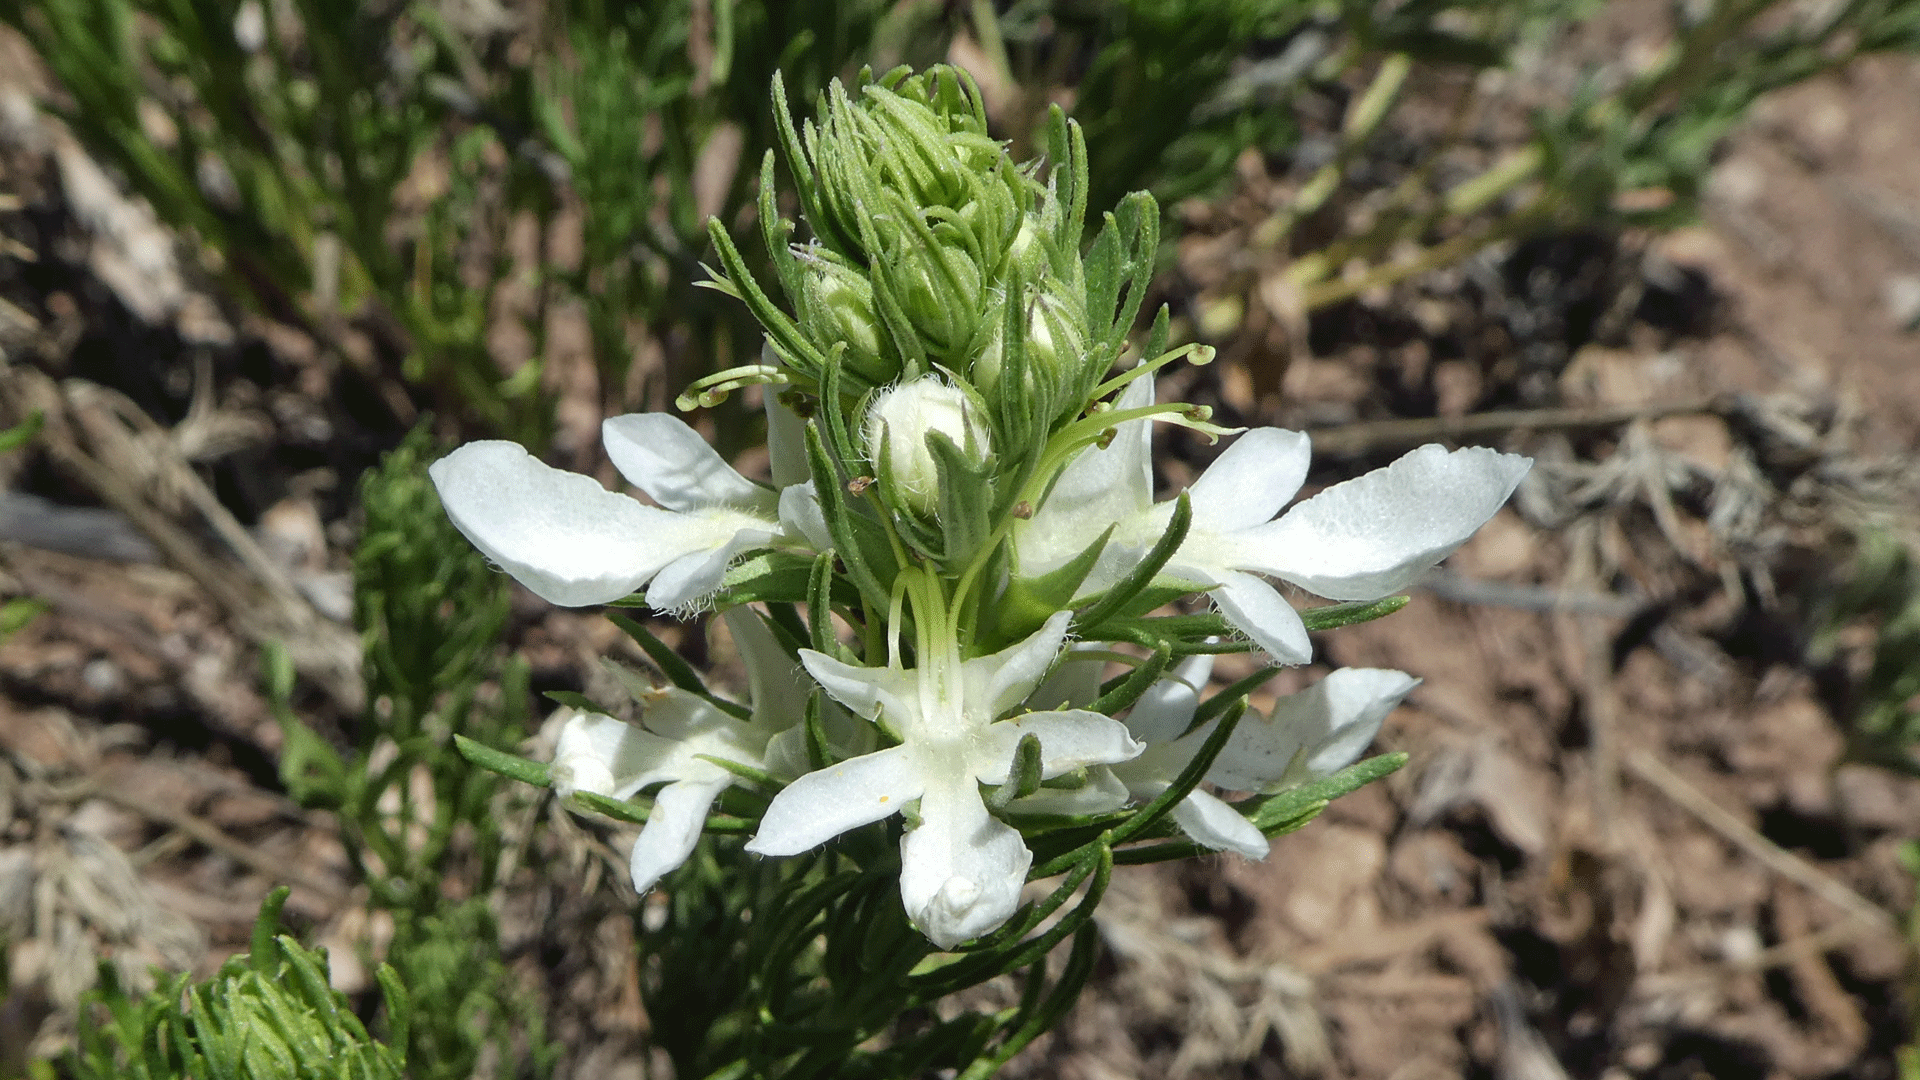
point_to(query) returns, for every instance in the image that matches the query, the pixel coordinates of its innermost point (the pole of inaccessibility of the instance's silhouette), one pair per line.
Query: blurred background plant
(502, 209)
(422, 830)
(360, 169)
(266, 1013)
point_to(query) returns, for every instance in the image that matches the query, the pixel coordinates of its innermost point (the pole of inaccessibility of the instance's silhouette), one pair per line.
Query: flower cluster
(960, 538)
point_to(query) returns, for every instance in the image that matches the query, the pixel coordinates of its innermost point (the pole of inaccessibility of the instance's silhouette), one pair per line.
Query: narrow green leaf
(22, 433)
(573, 700)
(1234, 692)
(499, 761)
(1027, 602)
(1334, 616)
(671, 664)
(265, 928)
(1087, 622)
(1023, 778)
(1273, 811)
(1121, 693)
(618, 809)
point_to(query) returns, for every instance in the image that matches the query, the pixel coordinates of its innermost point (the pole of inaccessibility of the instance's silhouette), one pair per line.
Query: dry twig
(1350, 439)
(1743, 836)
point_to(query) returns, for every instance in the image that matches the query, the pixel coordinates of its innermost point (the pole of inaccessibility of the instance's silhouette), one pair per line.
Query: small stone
(1901, 294)
(102, 676)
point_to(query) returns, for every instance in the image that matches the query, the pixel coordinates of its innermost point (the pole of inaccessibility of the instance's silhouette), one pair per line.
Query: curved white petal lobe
(1166, 710)
(802, 518)
(1259, 611)
(1313, 733)
(786, 442)
(1337, 717)
(1098, 488)
(1247, 484)
(1212, 823)
(698, 573)
(775, 682)
(961, 870)
(1374, 534)
(679, 714)
(821, 805)
(1004, 679)
(867, 691)
(673, 827)
(1068, 741)
(600, 754)
(558, 533)
(1074, 684)
(662, 456)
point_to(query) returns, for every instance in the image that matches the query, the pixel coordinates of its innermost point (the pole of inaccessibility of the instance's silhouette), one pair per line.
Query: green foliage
(268, 1014)
(1880, 707)
(348, 159)
(17, 613)
(1879, 700)
(21, 434)
(1909, 1055)
(430, 613)
(341, 158)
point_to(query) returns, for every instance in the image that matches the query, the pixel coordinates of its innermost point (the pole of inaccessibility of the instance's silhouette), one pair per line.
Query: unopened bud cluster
(930, 251)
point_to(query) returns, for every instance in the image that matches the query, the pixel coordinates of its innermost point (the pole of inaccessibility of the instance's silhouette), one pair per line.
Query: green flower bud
(938, 287)
(1055, 344)
(898, 425)
(837, 306)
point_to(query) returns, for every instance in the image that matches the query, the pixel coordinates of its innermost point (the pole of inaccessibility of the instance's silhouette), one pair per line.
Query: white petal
(786, 442)
(993, 684)
(679, 715)
(558, 533)
(692, 577)
(662, 456)
(786, 757)
(1313, 733)
(801, 516)
(600, 754)
(776, 684)
(1102, 792)
(1074, 684)
(866, 690)
(1249, 483)
(1068, 741)
(672, 829)
(961, 870)
(596, 752)
(1259, 611)
(821, 805)
(1161, 763)
(1341, 714)
(1373, 535)
(1098, 488)
(1165, 711)
(1212, 823)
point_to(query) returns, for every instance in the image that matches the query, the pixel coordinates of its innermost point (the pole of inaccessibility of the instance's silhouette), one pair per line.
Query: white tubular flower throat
(961, 867)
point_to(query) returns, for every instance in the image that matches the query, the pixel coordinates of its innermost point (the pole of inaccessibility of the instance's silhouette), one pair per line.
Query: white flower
(575, 543)
(896, 431)
(1358, 540)
(961, 868)
(1311, 734)
(606, 756)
